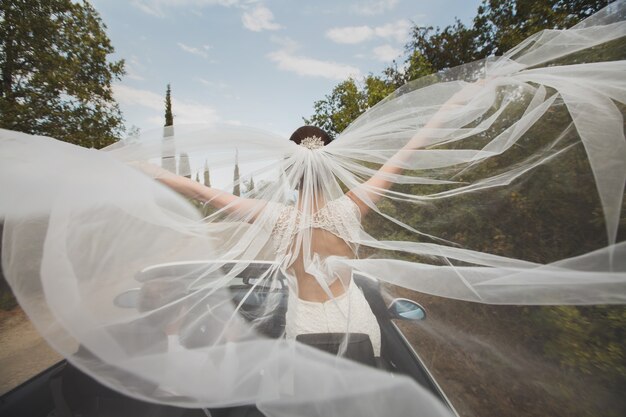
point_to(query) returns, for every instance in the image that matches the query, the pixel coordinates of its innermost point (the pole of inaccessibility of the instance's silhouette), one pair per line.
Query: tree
(184, 168)
(236, 182)
(501, 24)
(249, 184)
(377, 89)
(498, 26)
(337, 110)
(169, 117)
(444, 48)
(55, 76)
(415, 66)
(207, 175)
(168, 158)
(349, 100)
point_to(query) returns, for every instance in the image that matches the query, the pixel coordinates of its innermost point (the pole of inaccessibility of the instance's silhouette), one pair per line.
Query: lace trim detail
(340, 217)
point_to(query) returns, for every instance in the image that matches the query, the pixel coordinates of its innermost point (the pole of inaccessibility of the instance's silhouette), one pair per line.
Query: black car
(64, 391)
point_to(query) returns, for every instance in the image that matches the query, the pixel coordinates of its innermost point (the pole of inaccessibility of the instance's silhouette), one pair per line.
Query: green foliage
(418, 66)
(441, 48)
(337, 110)
(56, 79)
(588, 339)
(349, 100)
(501, 24)
(169, 117)
(377, 89)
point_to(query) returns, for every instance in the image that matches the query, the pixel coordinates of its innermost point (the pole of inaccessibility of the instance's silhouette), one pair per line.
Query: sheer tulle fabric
(83, 226)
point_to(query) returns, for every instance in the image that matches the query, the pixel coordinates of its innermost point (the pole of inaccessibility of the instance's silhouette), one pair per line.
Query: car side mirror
(128, 299)
(405, 309)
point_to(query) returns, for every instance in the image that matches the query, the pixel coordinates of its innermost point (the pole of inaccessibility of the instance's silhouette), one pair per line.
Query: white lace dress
(348, 312)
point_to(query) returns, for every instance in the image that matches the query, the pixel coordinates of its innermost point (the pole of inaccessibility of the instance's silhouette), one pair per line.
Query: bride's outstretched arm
(373, 188)
(191, 189)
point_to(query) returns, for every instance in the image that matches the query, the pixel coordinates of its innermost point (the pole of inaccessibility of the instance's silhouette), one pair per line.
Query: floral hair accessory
(312, 142)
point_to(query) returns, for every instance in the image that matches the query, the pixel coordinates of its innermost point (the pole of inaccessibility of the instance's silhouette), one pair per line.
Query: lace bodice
(340, 217)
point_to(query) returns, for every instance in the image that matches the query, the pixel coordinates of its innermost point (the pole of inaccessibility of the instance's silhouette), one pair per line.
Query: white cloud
(132, 75)
(350, 34)
(397, 31)
(213, 84)
(159, 8)
(184, 111)
(155, 121)
(373, 7)
(285, 42)
(148, 8)
(194, 50)
(386, 53)
(219, 86)
(287, 60)
(133, 67)
(258, 19)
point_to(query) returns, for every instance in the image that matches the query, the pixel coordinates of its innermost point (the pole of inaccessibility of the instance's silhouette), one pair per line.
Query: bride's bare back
(325, 231)
(324, 244)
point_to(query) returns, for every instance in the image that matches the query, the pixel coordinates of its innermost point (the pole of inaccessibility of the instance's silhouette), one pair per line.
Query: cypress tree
(169, 117)
(168, 159)
(207, 174)
(236, 186)
(183, 165)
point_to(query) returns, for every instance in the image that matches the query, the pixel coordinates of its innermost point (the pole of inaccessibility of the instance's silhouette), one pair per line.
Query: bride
(456, 185)
(318, 303)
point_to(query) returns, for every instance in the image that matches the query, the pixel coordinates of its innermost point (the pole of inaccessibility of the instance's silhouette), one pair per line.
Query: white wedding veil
(511, 192)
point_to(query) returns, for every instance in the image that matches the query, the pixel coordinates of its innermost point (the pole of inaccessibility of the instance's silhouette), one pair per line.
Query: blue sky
(255, 63)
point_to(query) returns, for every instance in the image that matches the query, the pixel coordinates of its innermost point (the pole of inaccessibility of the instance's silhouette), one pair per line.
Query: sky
(255, 63)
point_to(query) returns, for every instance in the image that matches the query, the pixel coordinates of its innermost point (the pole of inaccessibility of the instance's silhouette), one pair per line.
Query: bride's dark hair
(304, 132)
(308, 131)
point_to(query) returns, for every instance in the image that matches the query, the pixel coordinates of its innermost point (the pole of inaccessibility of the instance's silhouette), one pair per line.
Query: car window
(499, 360)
